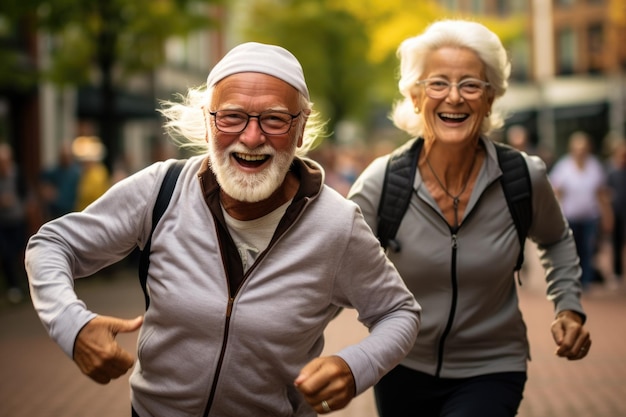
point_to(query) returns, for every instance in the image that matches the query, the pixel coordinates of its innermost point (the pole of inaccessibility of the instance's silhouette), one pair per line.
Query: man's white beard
(249, 187)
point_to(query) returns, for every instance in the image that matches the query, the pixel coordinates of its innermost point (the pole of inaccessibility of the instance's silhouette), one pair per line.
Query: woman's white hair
(455, 33)
(187, 121)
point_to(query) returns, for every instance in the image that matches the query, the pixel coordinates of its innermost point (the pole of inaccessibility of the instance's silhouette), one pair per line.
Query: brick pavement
(593, 387)
(38, 380)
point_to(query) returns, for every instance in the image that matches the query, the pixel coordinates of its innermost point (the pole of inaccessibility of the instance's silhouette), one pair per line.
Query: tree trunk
(108, 121)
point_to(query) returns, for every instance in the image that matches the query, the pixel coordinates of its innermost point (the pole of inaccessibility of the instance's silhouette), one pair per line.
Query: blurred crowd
(78, 177)
(590, 183)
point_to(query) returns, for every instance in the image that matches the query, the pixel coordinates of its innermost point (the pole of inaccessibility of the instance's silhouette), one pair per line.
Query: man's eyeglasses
(469, 89)
(271, 122)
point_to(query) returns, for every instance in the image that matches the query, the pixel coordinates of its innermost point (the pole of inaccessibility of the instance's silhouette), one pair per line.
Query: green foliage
(17, 70)
(331, 45)
(15, 73)
(129, 35)
(348, 48)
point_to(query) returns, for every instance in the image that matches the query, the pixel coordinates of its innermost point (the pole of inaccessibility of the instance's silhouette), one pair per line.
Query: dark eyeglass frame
(459, 86)
(259, 118)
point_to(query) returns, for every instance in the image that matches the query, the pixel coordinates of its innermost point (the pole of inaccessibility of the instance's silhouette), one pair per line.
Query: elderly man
(252, 259)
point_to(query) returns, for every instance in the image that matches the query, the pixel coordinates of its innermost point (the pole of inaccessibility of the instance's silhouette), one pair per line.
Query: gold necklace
(455, 198)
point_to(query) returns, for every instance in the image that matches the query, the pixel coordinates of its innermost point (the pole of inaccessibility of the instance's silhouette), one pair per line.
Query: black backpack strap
(162, 201)
(517, 189)
(396, 193)
(398, 188)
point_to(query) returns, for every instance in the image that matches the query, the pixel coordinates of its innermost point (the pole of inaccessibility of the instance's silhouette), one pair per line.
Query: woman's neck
(451, 164)
(450, 175)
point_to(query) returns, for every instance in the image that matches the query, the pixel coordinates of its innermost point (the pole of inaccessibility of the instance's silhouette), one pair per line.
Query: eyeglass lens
(469, 89)
(270, 122)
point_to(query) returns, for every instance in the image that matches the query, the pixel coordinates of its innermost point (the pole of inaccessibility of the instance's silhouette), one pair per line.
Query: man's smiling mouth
(250, 160)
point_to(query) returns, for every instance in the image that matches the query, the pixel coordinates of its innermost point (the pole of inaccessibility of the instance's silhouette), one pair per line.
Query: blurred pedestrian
(94, 178)
(579, 180)
(616, 180)
(517, 137)
(13, 223)
(340, 166)
(457, 245)
(250, 262)
(59, 184)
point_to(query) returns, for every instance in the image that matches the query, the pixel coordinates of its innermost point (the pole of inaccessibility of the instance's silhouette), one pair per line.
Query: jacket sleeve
(367, 189)
(372, 285)
(81, 243)
(555, 242)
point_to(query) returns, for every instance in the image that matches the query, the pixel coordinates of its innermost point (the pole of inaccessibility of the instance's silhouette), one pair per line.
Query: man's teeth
(250, 158)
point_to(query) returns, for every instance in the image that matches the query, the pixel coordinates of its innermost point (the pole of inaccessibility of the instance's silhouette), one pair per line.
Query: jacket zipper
(229, 310)
(451, 314)
(454, 282)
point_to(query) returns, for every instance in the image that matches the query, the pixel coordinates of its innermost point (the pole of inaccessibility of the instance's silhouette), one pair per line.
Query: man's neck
(242, 210)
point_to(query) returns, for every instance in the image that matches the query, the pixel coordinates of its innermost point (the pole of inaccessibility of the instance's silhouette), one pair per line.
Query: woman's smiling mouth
(453, 117)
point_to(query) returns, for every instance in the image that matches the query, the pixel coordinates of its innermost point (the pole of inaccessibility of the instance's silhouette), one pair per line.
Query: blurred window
(564, 3)
(520, 59)
(595, 47)
(519, 6)
(503, 7)
(451, 5)
(566, 51)
(478, 7)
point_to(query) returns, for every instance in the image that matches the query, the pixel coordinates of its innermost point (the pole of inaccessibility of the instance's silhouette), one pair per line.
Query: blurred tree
(617, 12)
(110, 36)
(17, 54)
(392, 21)
(348, 48)
(331, 44)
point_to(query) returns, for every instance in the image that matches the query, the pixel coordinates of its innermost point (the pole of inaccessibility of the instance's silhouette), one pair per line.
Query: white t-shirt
(578, 187)
(253, 236)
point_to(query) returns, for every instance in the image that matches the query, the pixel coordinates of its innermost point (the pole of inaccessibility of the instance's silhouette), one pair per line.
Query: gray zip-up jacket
(465, 281)
(216, 341)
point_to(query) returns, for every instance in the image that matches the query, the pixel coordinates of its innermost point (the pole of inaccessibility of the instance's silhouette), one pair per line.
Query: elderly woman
(459, 243)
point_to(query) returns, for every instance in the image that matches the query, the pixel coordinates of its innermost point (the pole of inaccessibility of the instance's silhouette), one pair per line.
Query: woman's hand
(572, 339)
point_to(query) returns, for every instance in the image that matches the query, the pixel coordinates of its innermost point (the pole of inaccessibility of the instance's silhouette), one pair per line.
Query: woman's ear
(416, 100)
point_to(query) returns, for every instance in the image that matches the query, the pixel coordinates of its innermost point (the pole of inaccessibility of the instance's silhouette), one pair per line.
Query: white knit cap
(258, 57)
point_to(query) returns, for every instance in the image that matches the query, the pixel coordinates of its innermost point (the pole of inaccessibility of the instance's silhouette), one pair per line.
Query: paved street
(38, 380)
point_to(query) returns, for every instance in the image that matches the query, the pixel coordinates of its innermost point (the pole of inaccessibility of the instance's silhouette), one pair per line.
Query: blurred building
(37, 118)
(140, 139)
(568, 68)
(568, 74)
(19, 95)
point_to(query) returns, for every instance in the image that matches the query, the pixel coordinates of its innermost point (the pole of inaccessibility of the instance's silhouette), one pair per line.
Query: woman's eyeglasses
(469, 89)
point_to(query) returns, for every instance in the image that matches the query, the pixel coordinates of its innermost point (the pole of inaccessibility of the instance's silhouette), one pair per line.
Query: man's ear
(205, 115)
(301, 133)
